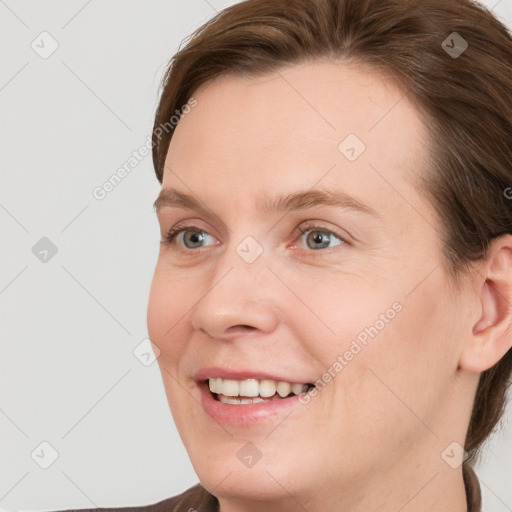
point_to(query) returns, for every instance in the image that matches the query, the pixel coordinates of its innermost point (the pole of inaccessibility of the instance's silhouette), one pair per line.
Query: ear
(491, 336)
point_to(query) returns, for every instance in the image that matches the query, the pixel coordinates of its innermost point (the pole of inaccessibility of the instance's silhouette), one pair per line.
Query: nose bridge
(237, 293)
(244, 256)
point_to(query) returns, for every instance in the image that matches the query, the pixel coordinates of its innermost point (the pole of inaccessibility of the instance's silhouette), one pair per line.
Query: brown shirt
(198, 499)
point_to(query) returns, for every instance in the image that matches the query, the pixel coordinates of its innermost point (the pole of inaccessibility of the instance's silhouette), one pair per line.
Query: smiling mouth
(253, 391)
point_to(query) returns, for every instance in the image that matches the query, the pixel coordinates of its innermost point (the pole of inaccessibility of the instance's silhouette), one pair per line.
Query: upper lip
(238, 374)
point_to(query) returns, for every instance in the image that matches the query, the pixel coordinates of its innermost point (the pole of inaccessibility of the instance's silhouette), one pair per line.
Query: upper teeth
(254, 387)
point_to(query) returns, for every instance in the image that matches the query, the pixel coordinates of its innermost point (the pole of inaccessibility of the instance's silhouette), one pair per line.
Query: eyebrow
(296, 201)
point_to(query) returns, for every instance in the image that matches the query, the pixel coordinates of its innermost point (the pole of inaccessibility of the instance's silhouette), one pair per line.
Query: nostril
(242, 327)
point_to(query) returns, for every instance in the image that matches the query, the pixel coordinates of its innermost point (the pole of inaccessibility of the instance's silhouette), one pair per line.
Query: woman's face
(358, 300)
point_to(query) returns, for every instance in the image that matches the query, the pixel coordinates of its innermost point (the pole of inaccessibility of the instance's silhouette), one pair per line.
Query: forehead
(319, 123)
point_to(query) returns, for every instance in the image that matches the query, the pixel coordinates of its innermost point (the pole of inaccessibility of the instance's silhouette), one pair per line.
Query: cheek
(342, 313)
(166, 315)
(384, 353)
(398, 378)
(167, 307)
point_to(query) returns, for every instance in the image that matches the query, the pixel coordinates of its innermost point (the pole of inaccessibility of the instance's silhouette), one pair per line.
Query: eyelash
(172, 234)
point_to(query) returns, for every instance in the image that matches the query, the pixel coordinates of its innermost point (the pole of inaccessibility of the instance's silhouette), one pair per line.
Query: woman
(331, 300)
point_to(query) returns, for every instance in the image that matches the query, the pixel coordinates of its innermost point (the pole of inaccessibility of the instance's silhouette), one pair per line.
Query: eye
(195, 236)
(319, 237)
(191, 237)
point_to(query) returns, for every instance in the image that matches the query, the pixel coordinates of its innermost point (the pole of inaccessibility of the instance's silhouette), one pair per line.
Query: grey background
(70, 324)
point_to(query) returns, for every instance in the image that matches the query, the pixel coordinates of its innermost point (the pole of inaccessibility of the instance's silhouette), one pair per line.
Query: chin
(229, 481)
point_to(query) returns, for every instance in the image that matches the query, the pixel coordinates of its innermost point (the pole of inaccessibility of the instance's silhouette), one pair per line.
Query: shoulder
(194, 499)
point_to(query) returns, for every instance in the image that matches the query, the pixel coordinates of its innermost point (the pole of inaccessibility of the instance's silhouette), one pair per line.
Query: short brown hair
(466, 101)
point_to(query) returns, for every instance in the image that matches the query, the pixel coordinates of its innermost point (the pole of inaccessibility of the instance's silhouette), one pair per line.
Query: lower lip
(245, 414)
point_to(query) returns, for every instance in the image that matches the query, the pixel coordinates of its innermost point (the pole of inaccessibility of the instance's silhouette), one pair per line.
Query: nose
(239, 298)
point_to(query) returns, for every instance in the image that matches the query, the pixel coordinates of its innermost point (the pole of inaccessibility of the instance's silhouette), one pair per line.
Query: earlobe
(491, 335)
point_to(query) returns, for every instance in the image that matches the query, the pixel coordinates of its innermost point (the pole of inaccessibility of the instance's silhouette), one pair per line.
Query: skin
(373, 437)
